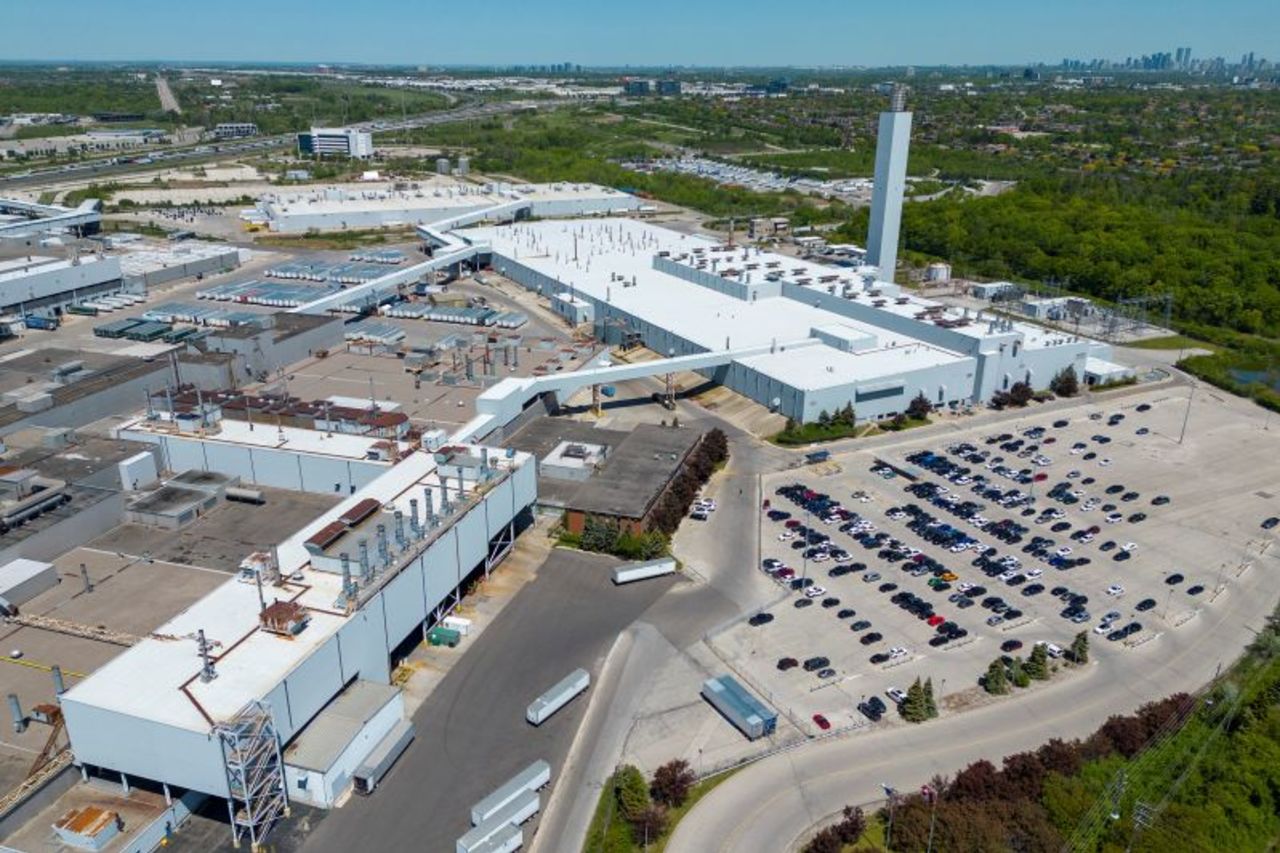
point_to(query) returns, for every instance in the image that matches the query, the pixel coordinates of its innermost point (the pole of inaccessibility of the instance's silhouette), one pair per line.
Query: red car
(821, 722)
(935, 620)
(792, 523)
(785, 573)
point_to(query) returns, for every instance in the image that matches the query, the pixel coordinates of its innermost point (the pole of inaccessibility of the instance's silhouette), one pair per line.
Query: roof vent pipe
(400, 540)
(414, 526)
(345, 559)
(364, 558)
(384, 550)
(428, 509)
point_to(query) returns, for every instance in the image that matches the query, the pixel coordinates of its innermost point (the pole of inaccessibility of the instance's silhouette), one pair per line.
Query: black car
(879, 658)
(1058, 591)
(1032, 589)
(1109, 545)
(1144, 605)
(1137, 517)
(815, 663)
(1059, 424)
(1010, 645)
(760, 619)
(860, 625)
(1130, 496)
(846, 613)
(1061, 527)
(1195, 590)
(888, 587)
(802, 603)
(939, 640)
(1144, 407)
(1121, 556)
(873, 637)
(785, 664)
(1270, 523)
(1160, 500)
(1174, 579)
(1115, 490)
(830, 601)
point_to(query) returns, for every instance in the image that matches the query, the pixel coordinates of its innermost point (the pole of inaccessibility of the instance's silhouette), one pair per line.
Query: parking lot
(934, 556)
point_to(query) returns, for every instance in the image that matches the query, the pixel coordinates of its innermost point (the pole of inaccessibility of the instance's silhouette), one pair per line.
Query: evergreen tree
(919, 408)
(914, 709)
(930, 706)
(996, 683)
(1080, 648)
(1038, 663)
(631, 791)
(824, 418)
(1065, 383)
(1018, 674)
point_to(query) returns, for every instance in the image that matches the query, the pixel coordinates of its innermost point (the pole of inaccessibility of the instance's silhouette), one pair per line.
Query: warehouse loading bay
(1185, 515)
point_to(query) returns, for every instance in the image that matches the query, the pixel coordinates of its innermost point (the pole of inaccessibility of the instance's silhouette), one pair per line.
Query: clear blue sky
(637, 32)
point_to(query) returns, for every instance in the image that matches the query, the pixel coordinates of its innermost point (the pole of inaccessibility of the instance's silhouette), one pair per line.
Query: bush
(631, 791)
(672, 782)
(650, 824)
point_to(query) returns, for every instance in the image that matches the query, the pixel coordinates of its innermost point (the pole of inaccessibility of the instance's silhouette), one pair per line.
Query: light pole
(893, 801)
(931, 797)
(1187, 417)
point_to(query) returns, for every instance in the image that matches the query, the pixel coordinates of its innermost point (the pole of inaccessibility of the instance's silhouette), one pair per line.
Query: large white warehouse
(831, 336)
(211, 701)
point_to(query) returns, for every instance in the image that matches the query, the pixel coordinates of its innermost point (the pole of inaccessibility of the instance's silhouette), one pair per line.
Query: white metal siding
(406, 609)
(313, 683)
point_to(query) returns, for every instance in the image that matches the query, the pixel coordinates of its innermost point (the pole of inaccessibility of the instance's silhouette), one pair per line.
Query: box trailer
(558, 696)
(383, 756)
(23, 579)
(506, 840)
(515, 813)
(643, 571)
(532, 778)
(751, 716)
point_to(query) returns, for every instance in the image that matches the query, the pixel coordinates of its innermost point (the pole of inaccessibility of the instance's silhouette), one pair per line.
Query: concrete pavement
(775, 803)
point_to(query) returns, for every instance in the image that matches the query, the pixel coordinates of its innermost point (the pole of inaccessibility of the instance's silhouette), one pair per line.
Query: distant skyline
(651, 33)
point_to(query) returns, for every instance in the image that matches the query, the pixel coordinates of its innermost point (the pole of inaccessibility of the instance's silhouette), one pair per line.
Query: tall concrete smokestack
(892, 143)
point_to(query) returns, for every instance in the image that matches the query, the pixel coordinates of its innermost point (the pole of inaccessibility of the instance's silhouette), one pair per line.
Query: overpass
(49, 217)
(449, 248)
(499, 405)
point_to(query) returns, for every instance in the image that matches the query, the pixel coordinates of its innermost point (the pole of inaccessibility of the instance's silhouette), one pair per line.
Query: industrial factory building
(218, 700)
(798, 337)
(438, 200)
(41, 285)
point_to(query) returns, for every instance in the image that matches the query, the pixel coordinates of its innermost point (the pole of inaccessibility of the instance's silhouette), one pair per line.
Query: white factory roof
(625, 249)
(158, 679)
(19, 268)
(265, 434)
(442, 194)
(138, 261)
(812, 368)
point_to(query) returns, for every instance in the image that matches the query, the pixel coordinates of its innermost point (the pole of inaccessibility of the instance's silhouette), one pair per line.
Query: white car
(897, 652)
(820, 557)
(1032, 574)
(1104, 462)
(1004, 576)
(707, 504)
(965, 586)
(1114, 517)
(1087, 538)
(1064, 551)
(896, 694)
(815, 591)
(1129, 546)
(1102, 628)
(786, 535)
(1115, 589)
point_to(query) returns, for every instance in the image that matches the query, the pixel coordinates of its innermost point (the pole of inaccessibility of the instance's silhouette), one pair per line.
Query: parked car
(760, 619)
(785, 664)
(821, 722)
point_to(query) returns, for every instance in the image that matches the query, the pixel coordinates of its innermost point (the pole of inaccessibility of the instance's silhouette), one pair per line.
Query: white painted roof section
(813, 368)
(265, 434)
(147, 679)
(625, 249)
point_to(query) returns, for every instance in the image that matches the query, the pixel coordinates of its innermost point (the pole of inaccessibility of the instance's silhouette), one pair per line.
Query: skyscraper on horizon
(892, 142)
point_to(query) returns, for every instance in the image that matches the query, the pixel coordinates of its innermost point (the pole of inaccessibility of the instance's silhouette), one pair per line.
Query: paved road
(168, 102)
(204, 153)
(472, 735)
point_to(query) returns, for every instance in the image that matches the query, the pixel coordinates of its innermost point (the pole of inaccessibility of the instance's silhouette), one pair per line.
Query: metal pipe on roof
(15, 710)
(413, 518)
(428, 509)
(400, 538)
(84, 576)
(345, 559)
(364, 558)
(384, 550)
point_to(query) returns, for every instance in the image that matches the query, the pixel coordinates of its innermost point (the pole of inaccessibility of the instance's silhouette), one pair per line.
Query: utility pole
(1187, 417)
